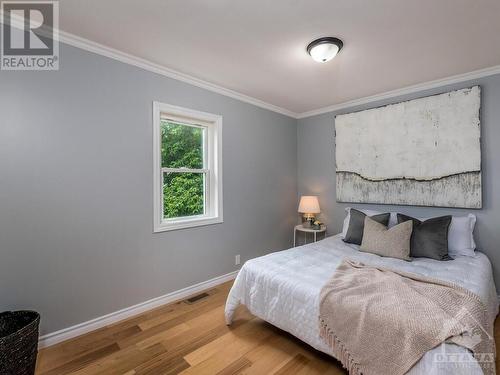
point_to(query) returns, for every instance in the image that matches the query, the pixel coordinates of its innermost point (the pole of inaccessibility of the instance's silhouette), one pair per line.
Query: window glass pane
(183, 194)
(181, 145)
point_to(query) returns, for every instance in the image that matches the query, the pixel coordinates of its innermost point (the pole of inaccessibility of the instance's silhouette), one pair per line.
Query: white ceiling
(257, 47)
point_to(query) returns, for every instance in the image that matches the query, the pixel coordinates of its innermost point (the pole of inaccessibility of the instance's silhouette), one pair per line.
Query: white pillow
(393, 220)
(461, 235)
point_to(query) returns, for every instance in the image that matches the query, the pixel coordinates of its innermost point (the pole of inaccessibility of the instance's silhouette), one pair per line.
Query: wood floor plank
(199, 312)
(190, 338)
(215, 298)
(116, 364)
(160, 365)
(235, 367)
(181, 348)
(233, 344)
(202, 330)
(270, 354)
(161, 336)
(221, 353)
(82, 361)
(318, 366)
(294, 365)
(62, 353)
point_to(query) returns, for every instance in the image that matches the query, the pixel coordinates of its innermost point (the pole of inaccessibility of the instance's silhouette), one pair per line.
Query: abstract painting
(423, 152)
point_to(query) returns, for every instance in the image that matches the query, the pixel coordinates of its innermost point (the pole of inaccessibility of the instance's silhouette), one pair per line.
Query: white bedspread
(283, 288)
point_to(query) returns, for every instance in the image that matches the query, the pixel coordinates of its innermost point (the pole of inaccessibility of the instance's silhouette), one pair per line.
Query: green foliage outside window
(182, 147)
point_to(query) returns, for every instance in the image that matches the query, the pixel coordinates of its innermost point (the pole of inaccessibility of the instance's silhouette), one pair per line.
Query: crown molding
(100, 49)
(126, 58)
(405, 91)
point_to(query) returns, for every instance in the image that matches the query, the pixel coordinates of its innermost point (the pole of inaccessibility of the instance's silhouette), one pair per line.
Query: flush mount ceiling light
(324, 49)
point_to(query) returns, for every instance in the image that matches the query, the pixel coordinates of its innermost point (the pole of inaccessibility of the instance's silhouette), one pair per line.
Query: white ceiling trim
(126, 58)
(405, 91)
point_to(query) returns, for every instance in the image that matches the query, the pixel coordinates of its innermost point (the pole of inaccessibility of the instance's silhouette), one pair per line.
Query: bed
(283, 288)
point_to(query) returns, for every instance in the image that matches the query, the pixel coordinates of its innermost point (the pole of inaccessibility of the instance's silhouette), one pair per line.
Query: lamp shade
(309, 205)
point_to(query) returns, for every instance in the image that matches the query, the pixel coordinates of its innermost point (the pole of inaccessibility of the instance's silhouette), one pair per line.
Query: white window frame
(212, 168)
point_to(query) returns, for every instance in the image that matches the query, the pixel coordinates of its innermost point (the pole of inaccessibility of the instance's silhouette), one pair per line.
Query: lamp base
(308, 220)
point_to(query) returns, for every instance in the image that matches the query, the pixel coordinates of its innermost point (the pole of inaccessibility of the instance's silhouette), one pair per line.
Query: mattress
(283, 288)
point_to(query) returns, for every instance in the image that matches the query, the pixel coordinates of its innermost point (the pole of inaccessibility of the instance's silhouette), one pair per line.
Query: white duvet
(283, 288)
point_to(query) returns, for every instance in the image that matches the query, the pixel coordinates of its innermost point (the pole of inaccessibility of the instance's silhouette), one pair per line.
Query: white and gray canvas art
(423, 152)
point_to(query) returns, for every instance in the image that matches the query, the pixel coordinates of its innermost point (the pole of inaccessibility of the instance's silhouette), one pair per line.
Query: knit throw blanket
(381, 322)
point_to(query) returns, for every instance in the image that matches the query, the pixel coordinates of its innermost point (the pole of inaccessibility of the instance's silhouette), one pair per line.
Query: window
(187, 168)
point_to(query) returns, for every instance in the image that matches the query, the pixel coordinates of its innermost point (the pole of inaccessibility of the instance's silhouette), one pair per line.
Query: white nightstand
(315, 232)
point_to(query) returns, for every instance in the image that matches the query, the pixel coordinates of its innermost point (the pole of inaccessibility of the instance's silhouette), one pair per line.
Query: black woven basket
(18, 342)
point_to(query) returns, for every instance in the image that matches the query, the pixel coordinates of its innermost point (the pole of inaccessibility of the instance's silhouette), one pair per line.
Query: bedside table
(315, 232)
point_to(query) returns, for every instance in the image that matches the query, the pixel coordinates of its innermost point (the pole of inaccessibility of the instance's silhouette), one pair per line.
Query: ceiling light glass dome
(324, 49)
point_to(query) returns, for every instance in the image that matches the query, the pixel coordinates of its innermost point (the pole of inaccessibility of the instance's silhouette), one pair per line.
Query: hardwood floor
(189, 338)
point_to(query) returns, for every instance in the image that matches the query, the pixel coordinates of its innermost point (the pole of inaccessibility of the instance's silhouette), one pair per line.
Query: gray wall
(76, 204)
(316, 167)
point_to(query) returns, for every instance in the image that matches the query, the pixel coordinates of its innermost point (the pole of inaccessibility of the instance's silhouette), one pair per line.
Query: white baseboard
(91, 325)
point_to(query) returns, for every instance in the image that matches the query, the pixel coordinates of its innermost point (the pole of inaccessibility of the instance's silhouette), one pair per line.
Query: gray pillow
(430, 237)
(393, 242)
(354, 233)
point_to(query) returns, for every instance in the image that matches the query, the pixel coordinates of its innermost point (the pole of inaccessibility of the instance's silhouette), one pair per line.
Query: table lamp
(309, 206)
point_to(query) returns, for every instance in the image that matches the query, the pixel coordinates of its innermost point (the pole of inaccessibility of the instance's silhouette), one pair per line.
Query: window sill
(186, 223)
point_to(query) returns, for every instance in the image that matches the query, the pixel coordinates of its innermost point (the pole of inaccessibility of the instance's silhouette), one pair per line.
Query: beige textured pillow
(393, 242)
